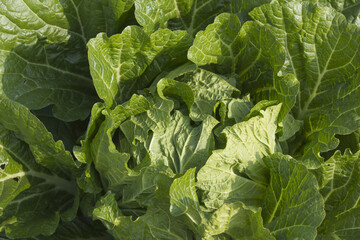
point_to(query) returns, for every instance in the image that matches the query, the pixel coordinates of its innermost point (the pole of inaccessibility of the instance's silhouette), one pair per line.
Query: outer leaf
(96, 16)
(351, 10)
(322, 50)
(47, 152)
(24, 183)
(79, 229)
(111, 60)
(43, 52)
(293, 206)
(341, 193)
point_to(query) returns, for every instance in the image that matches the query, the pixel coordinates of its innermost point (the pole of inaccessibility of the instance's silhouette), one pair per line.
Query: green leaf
(153, 15)
(238, 221)
(350, 8)
(290, 127)
(103, 151)
(341, 194)
(238, 109)
(181, 145)
(119, 226)
(322, 51)
(143, 187)
(24, 183)
(231, 111)
(169, 140)
(111, 60)
(89, 180)
(67, 132)
(117, 63)
(79, 229)
(293, 206)
(48, 153)
(223, 177)
(128, 228)
(183, 197)
(232, 219)
(189, 15)
(43, 54)
(221, 183)
(165, 226)
(137, 130)
(107, 210)
(219, 44)
(176, 89)
(249, 51)
(259, 67)
(97, 16)
(242, 8)
(208, 89)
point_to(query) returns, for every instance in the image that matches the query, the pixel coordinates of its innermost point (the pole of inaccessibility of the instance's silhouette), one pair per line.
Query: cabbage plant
(183, 119)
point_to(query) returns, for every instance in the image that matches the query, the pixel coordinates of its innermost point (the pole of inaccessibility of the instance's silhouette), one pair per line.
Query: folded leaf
(223, 176)
(183, 197)
(103, 151)
(117, 63)
(238, 221)
(181, 145)
(119, 226)
(208, 89)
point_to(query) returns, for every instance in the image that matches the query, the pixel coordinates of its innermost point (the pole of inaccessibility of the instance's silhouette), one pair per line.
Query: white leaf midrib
(62, 183)
(321, 74)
